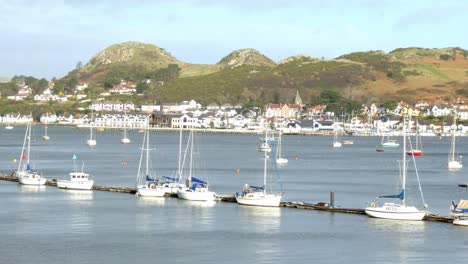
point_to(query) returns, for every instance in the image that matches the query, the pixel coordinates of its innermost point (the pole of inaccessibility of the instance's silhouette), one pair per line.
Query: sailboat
(45, 137)
(91, 141)
(257, 196)
(418, 151)
(146, 184)
(9, 127)
(460, 210)
(198, 189)
(25, 173)
(454, 163)
(398, 211)
(336, 141)
(79, 180)
(125, 139)
(386, 142)
(279, 158)
(172, 183)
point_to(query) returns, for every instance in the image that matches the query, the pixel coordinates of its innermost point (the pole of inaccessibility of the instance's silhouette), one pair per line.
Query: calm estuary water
(48, 225)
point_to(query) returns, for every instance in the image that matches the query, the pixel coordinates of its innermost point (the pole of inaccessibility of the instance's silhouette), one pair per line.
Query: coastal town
(290, 118)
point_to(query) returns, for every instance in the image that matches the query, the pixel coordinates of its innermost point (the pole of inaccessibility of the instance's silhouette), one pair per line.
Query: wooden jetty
(321, 206)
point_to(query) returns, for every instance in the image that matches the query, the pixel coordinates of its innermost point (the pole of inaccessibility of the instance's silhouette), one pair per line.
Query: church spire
(298, 99)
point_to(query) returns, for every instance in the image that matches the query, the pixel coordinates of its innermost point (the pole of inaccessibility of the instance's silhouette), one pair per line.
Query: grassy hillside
(406, 74)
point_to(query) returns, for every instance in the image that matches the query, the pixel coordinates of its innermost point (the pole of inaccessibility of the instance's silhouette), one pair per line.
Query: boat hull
(461, 221)
(281, 161)
(32, 180)
(337, 144)
(416, 153)
(259, 199)
(91, 142)
(396, 212)
(390, 145)
(125, 140)
(150, 192)
(76, 185)
(453, 165)
(196, 195)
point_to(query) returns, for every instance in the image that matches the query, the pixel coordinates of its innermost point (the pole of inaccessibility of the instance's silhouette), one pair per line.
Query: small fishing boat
(79, 180)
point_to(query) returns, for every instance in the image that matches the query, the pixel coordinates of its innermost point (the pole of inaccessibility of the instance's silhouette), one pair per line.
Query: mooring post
(332, 199)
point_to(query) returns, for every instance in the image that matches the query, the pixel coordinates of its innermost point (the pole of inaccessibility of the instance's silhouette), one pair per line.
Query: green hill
(406, 74)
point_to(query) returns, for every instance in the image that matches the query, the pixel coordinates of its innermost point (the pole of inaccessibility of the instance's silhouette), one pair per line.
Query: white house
(185, 121)
(149, 108)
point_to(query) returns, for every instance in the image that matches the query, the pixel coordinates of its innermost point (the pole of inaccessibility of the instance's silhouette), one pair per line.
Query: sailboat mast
(29, 142)
(180, 150)
(453, 137)
(265, 157)
(125, 124)
(147, 152)
(404, 161)
(191, 154)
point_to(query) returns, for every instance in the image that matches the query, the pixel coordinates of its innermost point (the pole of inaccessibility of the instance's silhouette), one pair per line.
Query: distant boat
(336, 140)
(100, 129)
(265, 147)
(279, 158)
(398, 211)
(386, 142)
(91, 141)
(453, 162)
(125, 139)
(78, 180)
(25, 173)
(146, 184)
(197, 188)
(258, 196)
(9, 127)
(418, 150)
(461, 220)
(45, 137)
(347, 142)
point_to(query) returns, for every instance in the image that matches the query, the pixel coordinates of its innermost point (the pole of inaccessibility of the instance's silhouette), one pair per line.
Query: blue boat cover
(193, 179)
(173, 179)
(194, 186)
(149, 179)
(28, 167)
(400, 196)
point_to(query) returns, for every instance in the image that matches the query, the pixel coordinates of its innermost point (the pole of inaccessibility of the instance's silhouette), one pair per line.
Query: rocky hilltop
(246, 57)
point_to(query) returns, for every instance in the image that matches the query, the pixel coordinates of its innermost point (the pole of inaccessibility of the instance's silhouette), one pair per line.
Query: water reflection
(151, 201)
(31, 188)
(79, 195)
(198, 203)
(387, 225)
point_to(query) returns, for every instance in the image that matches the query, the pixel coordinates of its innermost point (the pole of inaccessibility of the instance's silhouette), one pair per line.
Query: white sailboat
(25, 173)
(91, 141)
(386, 142)
(279, 158)
(398, 211)
(257, 196)
(172, 183)
(418, 150)
(9, 127)
(336, 141)
(79, 180)
(146, 184)
(197, 189)
(453, 162)
(45, 137)
(125, 139)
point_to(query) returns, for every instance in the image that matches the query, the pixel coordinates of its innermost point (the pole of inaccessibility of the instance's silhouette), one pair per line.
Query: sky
(47, 38)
